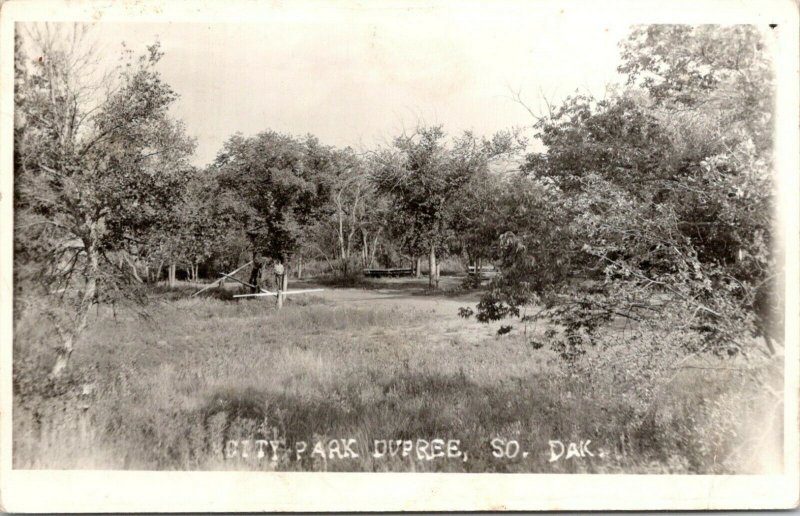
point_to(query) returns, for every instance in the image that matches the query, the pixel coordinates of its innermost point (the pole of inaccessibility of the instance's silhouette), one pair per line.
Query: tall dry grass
(169, 393)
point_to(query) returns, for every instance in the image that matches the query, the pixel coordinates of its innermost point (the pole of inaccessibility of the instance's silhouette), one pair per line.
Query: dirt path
(400, 293)
(413, 294)
(397, 298)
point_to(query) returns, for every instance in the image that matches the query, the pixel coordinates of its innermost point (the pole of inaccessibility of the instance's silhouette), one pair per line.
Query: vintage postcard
(398, 255)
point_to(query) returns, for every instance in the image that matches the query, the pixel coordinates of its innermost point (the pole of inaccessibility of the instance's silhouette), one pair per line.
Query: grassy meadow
(169, 391)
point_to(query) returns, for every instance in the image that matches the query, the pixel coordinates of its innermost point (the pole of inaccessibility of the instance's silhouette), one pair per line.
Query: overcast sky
(358, 76)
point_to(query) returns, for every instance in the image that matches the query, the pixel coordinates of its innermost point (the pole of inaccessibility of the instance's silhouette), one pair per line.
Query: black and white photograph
(416, 241)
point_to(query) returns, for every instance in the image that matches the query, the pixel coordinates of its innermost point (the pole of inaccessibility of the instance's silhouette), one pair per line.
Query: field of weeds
(319, 382)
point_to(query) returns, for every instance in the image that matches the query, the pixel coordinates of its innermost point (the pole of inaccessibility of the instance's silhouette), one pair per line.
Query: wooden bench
(484, 271)
(377, 273)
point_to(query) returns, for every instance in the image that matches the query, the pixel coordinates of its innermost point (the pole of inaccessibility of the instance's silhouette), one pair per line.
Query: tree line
(657, 199)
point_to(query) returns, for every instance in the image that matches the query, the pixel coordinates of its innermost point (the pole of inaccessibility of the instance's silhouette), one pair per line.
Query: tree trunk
(299, 267)
(283, 288)
(89, 298)
(374, 249)
(172, 269)
(364, 250)
(432, 280)
(132, 265)
(418, 268)
(255, 275)
(343, 258)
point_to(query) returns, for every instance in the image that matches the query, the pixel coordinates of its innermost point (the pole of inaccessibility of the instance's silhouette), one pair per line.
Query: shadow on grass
(449, 286)
(125, 429)
(412, 406)
(362, 282)
(163, 292)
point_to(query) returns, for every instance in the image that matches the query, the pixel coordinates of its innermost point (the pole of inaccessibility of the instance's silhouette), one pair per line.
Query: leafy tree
(668, 191)
(476, 217)
(422, 174)
(374, 226)
(416, 176)
(335, 234)
(96, 164)
(272, 188)
(189, 235)
(721, 72)
(725, 130)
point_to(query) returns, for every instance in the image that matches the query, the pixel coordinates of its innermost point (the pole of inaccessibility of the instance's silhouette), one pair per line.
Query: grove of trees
(653, 203)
